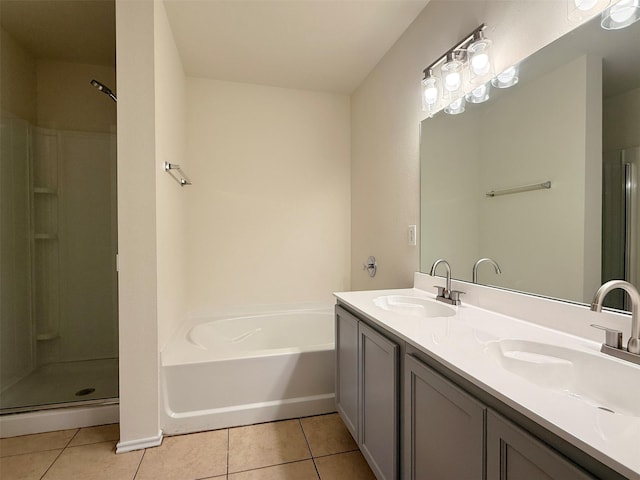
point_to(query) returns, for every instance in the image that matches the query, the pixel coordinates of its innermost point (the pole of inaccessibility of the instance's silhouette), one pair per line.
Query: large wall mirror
(573, 120)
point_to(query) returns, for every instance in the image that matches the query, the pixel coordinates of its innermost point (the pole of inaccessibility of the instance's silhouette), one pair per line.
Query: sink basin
(597, 380)
(413, 306)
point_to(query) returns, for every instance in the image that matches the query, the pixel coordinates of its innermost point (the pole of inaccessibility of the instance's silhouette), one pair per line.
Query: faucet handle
(613, 338)
(455, 296)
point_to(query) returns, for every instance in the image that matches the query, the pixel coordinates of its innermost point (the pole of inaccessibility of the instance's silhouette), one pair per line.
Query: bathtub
(229, 370)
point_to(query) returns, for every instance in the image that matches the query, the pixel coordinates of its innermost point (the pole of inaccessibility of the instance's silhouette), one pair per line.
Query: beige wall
(67, 101)
(137, 279)
(386, 111)
(171, 213)
(17, 79)
(269, 209)
(622, 121)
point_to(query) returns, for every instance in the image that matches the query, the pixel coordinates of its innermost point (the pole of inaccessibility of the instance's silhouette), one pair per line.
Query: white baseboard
(13, 425)
(139, 444)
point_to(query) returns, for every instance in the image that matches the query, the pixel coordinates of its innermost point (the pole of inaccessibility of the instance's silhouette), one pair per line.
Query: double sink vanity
(437, 391)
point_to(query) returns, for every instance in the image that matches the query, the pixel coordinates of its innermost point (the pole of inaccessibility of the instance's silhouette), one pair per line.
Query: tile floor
(302, 449)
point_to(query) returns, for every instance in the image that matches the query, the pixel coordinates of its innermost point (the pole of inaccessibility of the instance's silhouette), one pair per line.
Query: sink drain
(85, 391)
(606, 409)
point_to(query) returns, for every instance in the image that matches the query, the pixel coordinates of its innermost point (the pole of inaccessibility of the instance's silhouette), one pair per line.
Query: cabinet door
(513, 454)
(347, 369)
(444, 427)
(378, 433)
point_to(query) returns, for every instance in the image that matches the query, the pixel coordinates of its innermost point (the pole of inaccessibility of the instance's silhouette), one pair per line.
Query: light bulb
(479, 94)
(480, 64)
(585, 5)
(452, 77)
(431, 95)
(621, 15)
(452, 81)
(430, 92)
(455, 107)
(621, 12)
(507, 78)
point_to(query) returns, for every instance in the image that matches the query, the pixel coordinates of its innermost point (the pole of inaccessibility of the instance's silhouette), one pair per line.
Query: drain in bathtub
(606, 409)
(85, 391)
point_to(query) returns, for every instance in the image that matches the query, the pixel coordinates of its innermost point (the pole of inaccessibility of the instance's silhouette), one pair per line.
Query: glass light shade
(430, 93)
(582, 9)
(479, 94)
(507, 78)
(621, 15)
(452, 72)
(480, 61)
(456, 107)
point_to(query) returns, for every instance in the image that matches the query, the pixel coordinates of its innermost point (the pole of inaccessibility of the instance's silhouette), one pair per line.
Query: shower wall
(18, 83)
(16, 340)
(57, 253)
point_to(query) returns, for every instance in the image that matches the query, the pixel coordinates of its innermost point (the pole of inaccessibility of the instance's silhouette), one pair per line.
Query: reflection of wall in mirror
(449, 217)
(546, 241)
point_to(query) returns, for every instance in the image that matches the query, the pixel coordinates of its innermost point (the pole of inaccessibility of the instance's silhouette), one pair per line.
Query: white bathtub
(223, 371)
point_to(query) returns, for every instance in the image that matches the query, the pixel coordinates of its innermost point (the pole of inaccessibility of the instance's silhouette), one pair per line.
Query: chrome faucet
(477, 264)
(445, 294)
(633, 346)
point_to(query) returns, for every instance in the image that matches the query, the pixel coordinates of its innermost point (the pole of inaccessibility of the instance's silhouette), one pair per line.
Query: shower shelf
(45, 191)
(41, 337)
(45, 236)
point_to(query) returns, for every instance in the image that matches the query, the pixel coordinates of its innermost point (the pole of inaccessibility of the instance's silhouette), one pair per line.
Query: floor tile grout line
(139, 464)
(52, 463)
(272, 465)
(72, 437)
(337, 453)
(228, 448)
(309, 447)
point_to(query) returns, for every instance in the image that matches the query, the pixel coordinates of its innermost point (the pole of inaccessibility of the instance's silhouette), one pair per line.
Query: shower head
(104, 89)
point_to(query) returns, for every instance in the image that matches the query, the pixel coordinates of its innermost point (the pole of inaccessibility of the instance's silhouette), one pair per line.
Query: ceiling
(326, 45)
(63, 30)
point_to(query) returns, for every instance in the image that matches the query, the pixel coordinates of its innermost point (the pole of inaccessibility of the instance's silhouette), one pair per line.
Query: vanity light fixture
(507, 78)
(479, 94)
(455, 107)
(621, 14)
(463, 74)
(578, 10)
(452, 72)
(480, 59)
(430, 92)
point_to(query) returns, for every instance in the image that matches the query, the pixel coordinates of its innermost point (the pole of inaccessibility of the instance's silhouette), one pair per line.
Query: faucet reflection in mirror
(474, 275)
(463, 74)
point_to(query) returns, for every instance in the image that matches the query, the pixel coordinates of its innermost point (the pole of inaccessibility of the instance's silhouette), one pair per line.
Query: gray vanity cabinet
(367, 391)
(444, 427)
(347, 369)
(513, 454)
(378, 432)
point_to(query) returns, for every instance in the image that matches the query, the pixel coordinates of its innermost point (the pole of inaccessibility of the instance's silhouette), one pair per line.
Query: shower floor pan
(61, 383)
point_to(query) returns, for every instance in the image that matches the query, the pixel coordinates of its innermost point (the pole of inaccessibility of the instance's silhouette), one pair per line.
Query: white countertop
(463, 343)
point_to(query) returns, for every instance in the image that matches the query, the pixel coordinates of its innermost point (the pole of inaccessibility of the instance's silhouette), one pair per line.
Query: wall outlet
(412, 233)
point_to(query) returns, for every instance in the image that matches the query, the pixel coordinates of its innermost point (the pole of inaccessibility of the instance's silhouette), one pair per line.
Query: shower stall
(620, 221)
(58, 216)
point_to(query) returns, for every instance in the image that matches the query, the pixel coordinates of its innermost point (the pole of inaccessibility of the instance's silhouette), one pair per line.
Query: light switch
(412, 235)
